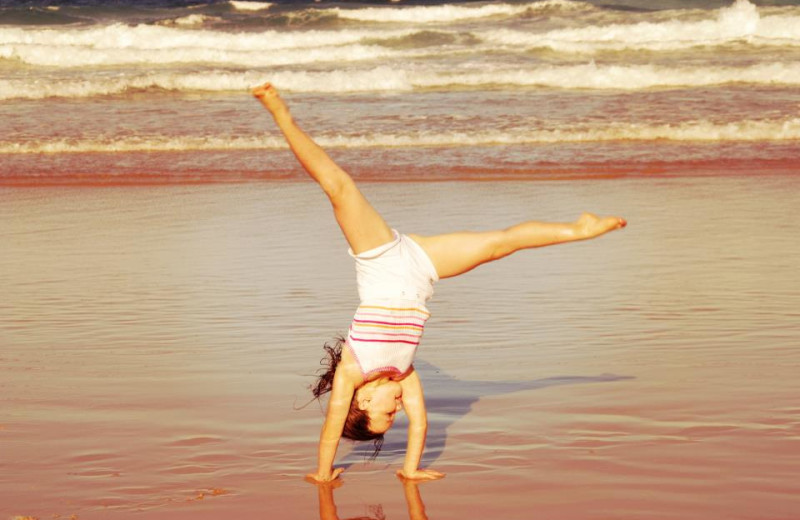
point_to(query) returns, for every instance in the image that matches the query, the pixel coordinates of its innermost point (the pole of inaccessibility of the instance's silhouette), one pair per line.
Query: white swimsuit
(394, 282)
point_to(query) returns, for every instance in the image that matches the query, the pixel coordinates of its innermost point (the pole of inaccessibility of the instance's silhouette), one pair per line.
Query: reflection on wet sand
(327, 505)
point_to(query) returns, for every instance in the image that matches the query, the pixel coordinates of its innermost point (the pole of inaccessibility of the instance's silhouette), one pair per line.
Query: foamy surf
(618, 77)
(389, 79)
(185, 40)
(120, 37)
(79, 57)
(691, 131)
(192, 20)
(740, 23)
(444, 14)
(249, 6)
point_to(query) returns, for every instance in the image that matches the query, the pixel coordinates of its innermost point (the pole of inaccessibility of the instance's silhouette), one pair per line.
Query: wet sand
(157, 340)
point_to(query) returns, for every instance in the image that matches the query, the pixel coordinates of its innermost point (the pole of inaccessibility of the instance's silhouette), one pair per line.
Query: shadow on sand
(449, 399)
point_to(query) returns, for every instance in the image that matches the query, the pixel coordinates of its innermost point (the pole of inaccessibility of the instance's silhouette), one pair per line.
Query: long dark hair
(356, 426)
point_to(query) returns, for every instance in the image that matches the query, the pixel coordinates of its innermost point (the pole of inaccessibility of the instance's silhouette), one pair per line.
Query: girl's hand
(319, 477)
(420, 474)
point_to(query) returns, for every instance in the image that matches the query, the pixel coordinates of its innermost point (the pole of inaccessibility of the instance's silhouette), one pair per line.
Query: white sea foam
(442, 14)
(75, 57)
(394, 79)
(589, 76)
(118, 44)
(136, 144)
(623, 77)
(154, 37)
(692, 131)
(378, 79)
(191, 20)
(78, 88)
(741, 22)
(249, 6)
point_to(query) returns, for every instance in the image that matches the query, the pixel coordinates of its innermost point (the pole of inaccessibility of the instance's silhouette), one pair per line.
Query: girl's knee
(500, 243)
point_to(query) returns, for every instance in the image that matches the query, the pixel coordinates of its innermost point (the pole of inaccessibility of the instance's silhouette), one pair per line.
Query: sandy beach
(156, 348)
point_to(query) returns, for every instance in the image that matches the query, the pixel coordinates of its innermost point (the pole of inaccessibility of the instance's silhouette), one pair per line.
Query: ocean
(157, 92)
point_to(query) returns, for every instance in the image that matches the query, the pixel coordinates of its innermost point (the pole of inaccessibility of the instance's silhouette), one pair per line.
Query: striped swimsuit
(394, 282)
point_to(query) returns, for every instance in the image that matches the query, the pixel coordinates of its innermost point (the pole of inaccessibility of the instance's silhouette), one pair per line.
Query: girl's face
(381, 401)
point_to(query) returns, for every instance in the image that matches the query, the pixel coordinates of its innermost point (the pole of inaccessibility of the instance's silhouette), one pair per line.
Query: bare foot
(269, 97)
(590, 226)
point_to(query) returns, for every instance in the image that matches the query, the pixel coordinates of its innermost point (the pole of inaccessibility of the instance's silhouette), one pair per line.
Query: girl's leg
(456, 253)
(363, 227)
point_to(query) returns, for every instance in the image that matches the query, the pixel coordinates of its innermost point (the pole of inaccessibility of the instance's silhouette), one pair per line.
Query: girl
(373, 377)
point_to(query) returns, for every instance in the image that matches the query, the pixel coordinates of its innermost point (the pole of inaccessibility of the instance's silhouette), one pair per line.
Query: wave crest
(192, 20)
(186, 40)
(393, 79)
(249, 6)
(740, 22)
(690, 131)
(154, 37)
(443, 14)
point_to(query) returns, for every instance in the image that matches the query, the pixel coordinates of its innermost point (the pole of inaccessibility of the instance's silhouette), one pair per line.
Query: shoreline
(729, 168)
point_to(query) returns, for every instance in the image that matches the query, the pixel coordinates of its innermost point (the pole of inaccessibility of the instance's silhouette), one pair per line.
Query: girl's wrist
(410, 470)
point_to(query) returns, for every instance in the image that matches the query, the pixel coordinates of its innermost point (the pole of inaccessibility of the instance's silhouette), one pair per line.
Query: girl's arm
(414, 404)
(338, 407)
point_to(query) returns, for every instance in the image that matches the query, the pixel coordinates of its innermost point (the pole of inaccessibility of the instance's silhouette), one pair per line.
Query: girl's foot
(590, 226)
(269, 97)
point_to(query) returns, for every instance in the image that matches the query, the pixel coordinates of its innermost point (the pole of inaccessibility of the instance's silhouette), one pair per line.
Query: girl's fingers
(320, 479)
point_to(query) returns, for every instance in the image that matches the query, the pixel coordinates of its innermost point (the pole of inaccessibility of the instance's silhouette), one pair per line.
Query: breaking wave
(739, 23)
(249, 6)
(191, 20)
(444, 14)
(118, 44)
(181, 42)
(692, 131)
(392, 79)
(76, 57)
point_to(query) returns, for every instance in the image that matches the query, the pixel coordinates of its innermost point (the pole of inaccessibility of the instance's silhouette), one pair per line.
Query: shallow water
(156, 341)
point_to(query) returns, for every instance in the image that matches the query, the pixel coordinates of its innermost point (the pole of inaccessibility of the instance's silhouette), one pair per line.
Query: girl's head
(380, 400)
(358, 425)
